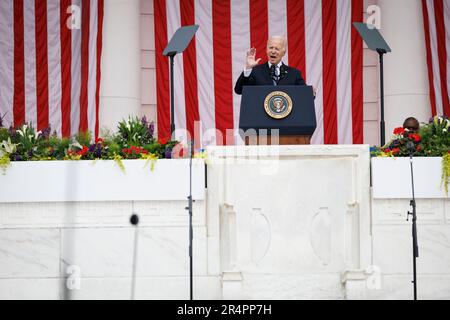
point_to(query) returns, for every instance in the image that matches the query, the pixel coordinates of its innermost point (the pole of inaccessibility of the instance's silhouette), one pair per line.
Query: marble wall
(392, 248)
(289, 232)
(276, 223)
(90, 251)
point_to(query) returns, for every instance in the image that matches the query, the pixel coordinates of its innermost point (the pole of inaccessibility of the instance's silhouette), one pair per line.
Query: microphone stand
(382, 52)
(411, 147)
(191, 232)
(172, 95)
(134, 220)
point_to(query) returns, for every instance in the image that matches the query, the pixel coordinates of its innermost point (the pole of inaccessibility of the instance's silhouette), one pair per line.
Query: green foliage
(445, 172)
(4, 134)
(4, 163)
(134, 140)
(436, 137)
(118, 159)
(83, 138)
(134, 132)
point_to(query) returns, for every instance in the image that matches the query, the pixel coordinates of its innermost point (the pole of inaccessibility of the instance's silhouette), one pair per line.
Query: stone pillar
(120, 94)
(406, 77)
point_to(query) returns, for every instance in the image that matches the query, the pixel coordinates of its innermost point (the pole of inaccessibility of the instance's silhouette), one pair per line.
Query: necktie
(274, 74)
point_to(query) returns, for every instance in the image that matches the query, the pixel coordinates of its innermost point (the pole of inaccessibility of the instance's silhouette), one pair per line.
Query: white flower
(8, 146)
(77, 145)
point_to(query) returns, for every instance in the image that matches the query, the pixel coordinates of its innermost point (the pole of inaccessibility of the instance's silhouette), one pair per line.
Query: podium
(283, 115)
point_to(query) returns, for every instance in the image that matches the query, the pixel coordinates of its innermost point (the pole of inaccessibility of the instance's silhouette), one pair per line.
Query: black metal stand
(172, 103)
(414, 225)
(177, 44)
(375, 41)
(191, 231)
(382, 52)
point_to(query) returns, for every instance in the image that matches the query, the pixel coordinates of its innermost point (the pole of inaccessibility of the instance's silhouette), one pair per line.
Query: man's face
(275, 50)
(411, 125)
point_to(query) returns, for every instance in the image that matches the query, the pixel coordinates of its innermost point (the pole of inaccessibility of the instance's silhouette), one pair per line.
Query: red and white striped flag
(50, 54)
(436, 15)
(321, 43)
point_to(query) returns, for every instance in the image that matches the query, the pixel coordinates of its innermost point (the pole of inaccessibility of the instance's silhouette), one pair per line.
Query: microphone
(411, 147)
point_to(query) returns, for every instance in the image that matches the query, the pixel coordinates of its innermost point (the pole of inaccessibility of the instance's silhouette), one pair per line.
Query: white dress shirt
(247, 72)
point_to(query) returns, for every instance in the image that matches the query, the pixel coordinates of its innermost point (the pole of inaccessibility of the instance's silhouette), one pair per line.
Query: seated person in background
(412, 124)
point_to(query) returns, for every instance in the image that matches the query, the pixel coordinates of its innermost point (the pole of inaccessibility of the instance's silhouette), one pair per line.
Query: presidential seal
(278, 105)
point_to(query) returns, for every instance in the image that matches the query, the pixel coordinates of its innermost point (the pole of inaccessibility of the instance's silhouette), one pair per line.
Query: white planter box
(60, 181)
(391, 178)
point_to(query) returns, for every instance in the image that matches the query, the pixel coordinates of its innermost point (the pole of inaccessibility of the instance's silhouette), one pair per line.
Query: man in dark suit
(274, 72)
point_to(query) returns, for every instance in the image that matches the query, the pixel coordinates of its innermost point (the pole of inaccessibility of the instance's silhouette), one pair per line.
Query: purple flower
(11, 131)
(151, 129)
(98, 152)
(144, 120)
(17, 157)
(168, 154)
(45, 134)
(92, 148)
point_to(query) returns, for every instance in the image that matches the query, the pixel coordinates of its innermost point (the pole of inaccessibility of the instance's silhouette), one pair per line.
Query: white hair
(283, 39)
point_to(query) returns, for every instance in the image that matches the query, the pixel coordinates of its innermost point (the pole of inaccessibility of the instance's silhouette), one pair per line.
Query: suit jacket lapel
(267, 74)
(286, 74)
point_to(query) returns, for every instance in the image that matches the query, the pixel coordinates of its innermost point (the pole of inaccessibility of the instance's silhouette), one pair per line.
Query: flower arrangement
(432, 140)
(397, 146)
(134, 140)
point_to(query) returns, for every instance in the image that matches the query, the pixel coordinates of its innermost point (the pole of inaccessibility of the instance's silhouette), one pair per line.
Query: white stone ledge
(66, 181)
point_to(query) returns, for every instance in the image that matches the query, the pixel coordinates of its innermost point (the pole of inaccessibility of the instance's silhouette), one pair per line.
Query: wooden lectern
(282, 140)
(288, 109)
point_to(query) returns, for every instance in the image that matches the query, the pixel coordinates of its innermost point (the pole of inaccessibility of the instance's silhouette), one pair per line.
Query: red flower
(83, 151)
(419, 148)
(99, 141)
(416, 137)
(162, 141)
(134, 150)
(398, 131)
(395, 150)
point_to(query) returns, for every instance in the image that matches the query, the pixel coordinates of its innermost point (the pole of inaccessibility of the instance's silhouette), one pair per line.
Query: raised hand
(251, 59)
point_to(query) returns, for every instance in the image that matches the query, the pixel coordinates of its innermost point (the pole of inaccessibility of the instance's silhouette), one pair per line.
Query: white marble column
(406, 77)
(121, 62)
